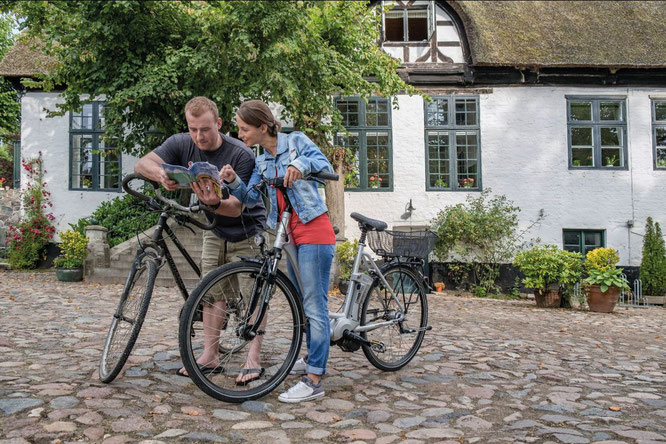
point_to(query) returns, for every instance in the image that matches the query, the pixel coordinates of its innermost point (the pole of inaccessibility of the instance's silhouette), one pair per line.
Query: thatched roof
(516, 33)
(25, 59)
(565, 33)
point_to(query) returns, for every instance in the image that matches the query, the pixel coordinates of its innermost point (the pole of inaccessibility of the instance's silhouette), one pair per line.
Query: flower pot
(602, 301)
(548, 299)
(439, 286)
(69, 274)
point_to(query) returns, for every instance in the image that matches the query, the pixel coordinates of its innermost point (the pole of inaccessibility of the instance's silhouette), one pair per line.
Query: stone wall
(10, 206)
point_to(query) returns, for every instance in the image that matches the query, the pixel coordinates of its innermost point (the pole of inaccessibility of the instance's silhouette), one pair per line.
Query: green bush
(73, 249)
(482, 232)
(653, 263)
(346, 254)
(601, 259)
(123, 216)
(545, 265)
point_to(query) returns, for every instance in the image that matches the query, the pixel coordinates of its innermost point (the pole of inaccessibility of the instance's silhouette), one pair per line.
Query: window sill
(371, 190)
(99, 190)
(588, 168)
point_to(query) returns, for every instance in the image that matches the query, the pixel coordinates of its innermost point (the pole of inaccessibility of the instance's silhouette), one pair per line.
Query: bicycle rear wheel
(280, 338)
(128, 318)
(401, 340)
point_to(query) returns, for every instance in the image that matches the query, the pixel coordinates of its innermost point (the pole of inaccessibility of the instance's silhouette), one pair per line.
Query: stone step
(164, 278)
(123, 255)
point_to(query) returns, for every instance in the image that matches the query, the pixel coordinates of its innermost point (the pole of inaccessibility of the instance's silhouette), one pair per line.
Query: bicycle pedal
(378, 347)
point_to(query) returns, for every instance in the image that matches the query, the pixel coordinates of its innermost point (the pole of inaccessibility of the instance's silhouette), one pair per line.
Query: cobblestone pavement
(489, 371)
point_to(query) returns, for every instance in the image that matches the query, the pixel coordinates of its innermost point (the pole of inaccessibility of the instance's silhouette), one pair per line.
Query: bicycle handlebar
(323, 175)
(172, 203)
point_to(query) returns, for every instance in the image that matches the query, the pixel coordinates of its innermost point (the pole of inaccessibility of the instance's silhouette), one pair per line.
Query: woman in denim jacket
(292, 156)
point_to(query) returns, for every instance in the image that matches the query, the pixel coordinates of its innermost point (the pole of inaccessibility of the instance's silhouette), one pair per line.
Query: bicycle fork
(265, 282)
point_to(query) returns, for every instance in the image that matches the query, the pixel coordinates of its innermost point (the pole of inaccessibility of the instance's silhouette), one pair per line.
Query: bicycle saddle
(373, 224)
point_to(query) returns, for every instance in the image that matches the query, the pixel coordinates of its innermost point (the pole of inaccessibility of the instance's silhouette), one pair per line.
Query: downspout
(630, 224)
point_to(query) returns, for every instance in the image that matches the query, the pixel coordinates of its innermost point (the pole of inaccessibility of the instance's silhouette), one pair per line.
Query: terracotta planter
(602, 302)
(69, 274)
(548, 299)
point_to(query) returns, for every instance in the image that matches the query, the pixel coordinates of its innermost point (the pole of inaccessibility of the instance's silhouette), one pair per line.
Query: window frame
(17, 163)
(430, 26)
(452, 128)
(95, 132)
(597, 124)
(362, 129)
(583, 232)
(657, 124)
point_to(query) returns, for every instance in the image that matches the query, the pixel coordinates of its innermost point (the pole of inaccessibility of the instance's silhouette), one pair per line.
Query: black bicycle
(150, 257)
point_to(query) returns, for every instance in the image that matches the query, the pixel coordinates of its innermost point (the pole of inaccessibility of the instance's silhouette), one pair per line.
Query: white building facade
(574, 140)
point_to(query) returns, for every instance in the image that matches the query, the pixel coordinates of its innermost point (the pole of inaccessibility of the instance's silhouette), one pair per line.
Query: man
(235, 225)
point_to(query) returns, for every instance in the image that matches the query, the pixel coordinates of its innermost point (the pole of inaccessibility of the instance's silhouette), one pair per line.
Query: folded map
(197, 171)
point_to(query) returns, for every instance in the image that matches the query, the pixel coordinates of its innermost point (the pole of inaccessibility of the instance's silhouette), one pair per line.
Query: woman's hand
(227, 174)
(205, 191)
(167, 183)
(292, 175)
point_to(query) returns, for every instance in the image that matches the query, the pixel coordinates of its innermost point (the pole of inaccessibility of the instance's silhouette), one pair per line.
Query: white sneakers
(305, 390)
(299, 367)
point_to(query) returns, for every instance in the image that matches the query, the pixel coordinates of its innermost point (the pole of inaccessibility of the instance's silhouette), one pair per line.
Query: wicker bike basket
(389, 243)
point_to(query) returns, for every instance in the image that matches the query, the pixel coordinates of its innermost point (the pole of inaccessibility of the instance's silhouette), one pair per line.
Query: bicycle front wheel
(128, 318)
(396, 343)
(226, 296)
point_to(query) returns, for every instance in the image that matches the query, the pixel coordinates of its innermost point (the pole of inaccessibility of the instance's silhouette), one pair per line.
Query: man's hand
(293, 174)
(227, 174)
(205, 191)
(167, 183)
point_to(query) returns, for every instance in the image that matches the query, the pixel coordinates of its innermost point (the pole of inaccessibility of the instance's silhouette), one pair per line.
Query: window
(659, 133)
(452, 143)
(368, 141)
(597, 133)
(409, 24)
(582, 241)
(94, 162)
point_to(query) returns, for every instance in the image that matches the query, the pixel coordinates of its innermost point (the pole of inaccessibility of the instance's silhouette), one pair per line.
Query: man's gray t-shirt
(180, 149)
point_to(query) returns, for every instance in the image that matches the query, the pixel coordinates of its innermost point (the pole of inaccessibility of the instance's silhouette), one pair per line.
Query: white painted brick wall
(51, 137)
(524, 156)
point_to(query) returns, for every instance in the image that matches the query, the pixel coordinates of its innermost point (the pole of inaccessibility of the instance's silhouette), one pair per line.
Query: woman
(292, 156)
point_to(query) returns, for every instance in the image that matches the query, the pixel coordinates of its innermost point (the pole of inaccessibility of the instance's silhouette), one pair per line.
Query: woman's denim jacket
(292, 149)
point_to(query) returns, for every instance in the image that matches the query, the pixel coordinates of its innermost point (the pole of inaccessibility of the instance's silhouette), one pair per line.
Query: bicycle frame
(158, 243)
(360, 284)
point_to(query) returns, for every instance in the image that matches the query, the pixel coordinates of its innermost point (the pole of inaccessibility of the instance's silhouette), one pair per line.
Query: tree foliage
(9, 101)
(653, 263)
(148, 58)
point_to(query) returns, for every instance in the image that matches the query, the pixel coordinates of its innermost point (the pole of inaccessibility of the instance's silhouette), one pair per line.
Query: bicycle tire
(132, 309)
(377, 306)
(282, 337)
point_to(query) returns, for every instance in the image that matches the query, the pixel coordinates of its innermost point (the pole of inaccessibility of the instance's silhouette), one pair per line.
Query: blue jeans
(314, 264)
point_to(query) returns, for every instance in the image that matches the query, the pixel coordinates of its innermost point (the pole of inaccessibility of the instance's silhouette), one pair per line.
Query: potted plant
(73, 249)
(375, 181)
(548, 270)
(604, 281)
(441, 183)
